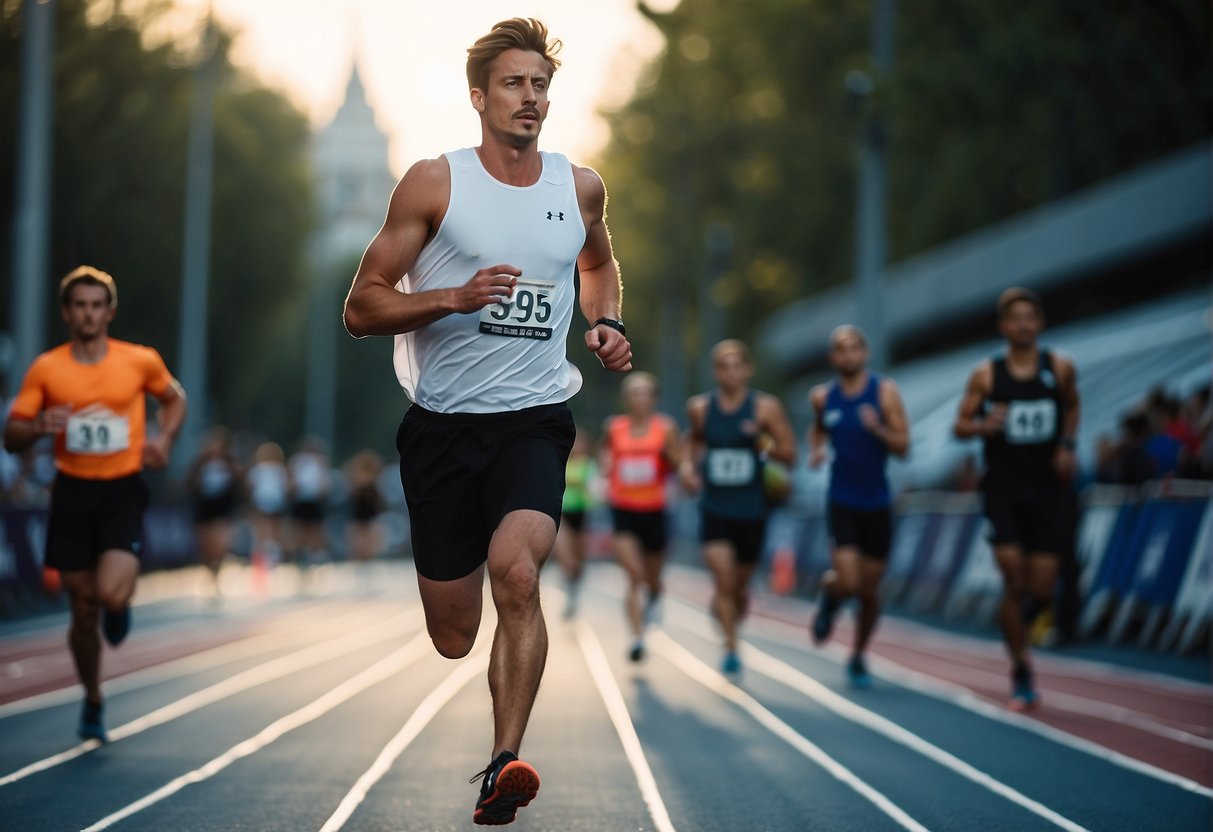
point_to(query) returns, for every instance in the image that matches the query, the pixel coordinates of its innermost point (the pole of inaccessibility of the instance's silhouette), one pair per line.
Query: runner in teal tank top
(733, 431)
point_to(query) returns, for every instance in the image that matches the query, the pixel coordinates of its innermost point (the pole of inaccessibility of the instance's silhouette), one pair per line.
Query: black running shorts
(88, 517)
(575, 520)
(307, 511)
(464, 472)
(649, 527)
(870, 532)
(746, 536)
(1038, 517)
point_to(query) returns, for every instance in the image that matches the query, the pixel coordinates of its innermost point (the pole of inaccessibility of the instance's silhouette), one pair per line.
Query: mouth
(528, 117)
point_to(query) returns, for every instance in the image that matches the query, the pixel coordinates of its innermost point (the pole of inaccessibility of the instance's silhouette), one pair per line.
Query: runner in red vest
(640, 450)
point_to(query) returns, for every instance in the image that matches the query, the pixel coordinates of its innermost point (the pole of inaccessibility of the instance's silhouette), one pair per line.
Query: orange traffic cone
(783, 571)
(52, 582)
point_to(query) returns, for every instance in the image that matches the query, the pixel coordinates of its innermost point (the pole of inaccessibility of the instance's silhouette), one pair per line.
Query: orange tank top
(638, 464)
(107, 426)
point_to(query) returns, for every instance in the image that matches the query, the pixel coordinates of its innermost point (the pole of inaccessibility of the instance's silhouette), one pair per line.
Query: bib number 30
(527, 314)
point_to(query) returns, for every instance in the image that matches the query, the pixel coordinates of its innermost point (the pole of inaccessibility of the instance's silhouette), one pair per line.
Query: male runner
(572, 539)
(472, 273)
(861, 416)
(89, 394)
(639, 450)
(1024, 404)
(733, 430)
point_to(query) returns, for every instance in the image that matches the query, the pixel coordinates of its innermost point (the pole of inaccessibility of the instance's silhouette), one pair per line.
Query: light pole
(871, 208)
(31, 217)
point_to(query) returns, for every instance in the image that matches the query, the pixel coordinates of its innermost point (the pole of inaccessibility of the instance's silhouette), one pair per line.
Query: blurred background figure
(268, 486)
(573, 536)
(213, 483)
(311, 483)
(364, 535)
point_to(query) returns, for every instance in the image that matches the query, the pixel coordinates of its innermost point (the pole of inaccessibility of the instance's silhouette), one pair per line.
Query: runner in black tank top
(733, 430)
(1025, 407)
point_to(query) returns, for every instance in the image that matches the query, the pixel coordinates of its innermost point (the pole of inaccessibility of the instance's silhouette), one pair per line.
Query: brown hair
(843, 330)
(524, 33)
(732, 345)
(88, 276)
(1016, 294)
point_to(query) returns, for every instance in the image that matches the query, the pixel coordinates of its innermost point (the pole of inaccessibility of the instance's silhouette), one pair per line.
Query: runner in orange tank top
(89, 394)
(640, 450)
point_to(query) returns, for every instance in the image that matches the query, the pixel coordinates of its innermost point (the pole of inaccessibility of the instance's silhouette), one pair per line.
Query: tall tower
(353, 184)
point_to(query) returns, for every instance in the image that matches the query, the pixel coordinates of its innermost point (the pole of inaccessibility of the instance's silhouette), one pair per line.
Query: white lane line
(203, 660)
(960, 696)
(426, 711)
(380, 671)
(617, 710)
(689, 664)
(259, 675)
(797, 681)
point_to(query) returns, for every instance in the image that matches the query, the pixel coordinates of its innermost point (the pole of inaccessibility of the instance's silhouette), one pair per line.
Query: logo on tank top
(556, 215)
(1047, 379)
(831, 418)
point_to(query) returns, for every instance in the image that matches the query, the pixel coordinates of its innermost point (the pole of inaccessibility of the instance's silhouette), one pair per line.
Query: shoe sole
(1022, 706)
(517, 785)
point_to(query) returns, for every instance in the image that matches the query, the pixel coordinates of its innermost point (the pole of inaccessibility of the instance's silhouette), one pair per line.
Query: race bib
(638, 471)
(527, 314)
(731, 466)
(1031, 423)
(98, 432)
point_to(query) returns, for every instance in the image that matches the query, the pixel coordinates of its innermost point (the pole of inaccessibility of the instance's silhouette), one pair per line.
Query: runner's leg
(82, 636)
(1010, 561)
(722, 561)
(452, 612)
(871, 572)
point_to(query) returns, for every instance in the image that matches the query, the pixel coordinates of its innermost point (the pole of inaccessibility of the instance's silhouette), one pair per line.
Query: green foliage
(120, 125)
(992, 108)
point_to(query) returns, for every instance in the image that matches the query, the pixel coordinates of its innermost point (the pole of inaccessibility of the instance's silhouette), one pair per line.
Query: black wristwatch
(613, 323)
(1067, 443)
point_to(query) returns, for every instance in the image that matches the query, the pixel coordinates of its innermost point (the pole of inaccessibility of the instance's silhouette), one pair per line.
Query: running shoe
(506, 786)
(857, 673)
(116, 625)
(823, 621)
(731, 666)
(1023, 693)
(636, 654)
(92, 727)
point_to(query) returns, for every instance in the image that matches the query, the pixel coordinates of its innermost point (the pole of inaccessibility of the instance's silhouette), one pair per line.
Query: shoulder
(697, 406)
(591, 191)
(425, 180)
(767, 403)
(48, 360)
(667, 422)
(887, 387)
(819, 394)
(982, 374)
(1063, 364)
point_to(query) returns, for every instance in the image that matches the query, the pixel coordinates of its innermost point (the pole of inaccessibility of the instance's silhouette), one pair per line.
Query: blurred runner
(639, 451)
(268, 485)
(733, 430)
(488, 240)
(90, 394)
(214, 486)
(311, 482)
(861, 416)
(364, 536)
(1024, 405)
(572, 539)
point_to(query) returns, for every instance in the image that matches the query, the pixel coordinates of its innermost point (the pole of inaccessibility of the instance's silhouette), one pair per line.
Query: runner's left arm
(894, 428)
(1065, 461)
(773, 419)
(170, 416)
(601, 286)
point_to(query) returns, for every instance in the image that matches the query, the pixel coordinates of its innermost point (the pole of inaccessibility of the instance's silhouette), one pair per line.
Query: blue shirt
(857, 474)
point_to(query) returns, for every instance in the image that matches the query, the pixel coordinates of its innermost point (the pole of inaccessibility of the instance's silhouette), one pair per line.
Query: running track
(329, 710)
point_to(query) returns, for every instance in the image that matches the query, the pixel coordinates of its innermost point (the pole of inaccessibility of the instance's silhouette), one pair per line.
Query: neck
(733, 395)
(515, 166)
(90, 350)
(1022, 355)
(853, 381)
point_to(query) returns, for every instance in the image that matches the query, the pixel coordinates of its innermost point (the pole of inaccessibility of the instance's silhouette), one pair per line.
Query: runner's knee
(515, 586)
(452, 642)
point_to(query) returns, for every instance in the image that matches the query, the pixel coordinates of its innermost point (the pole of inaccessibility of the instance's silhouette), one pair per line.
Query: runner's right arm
(28, 421)
(693, 444)
(819, 438)
(374, 306)
(968, 421)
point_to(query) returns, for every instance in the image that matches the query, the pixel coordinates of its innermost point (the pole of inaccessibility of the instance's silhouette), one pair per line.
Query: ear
(477, 96)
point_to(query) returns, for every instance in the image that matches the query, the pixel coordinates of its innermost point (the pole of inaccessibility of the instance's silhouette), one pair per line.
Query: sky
(412, 58)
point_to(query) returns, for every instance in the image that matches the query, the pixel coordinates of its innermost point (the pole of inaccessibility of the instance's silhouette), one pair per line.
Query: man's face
(87, 312)
(1020, 324)
(515, 104)
(640, 398)
(732, 372)
(848, 354)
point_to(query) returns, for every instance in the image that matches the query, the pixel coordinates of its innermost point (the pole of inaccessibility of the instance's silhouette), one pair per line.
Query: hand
(53, 419)
(869, 418)
(494, 284)
(995, 419)
(1065, 463)
(818, 457)
(611, 346)
(689, 477)
(156, 451)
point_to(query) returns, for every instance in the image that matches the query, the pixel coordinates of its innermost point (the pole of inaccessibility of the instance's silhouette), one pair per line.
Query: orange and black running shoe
(508, 784)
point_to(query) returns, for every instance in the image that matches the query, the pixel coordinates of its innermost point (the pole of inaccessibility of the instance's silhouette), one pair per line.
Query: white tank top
(506, 356)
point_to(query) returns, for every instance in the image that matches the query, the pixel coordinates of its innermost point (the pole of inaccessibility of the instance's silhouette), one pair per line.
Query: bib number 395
(527, 314)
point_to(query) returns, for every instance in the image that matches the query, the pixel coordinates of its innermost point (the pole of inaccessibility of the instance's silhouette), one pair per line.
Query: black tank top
(1023, 451)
